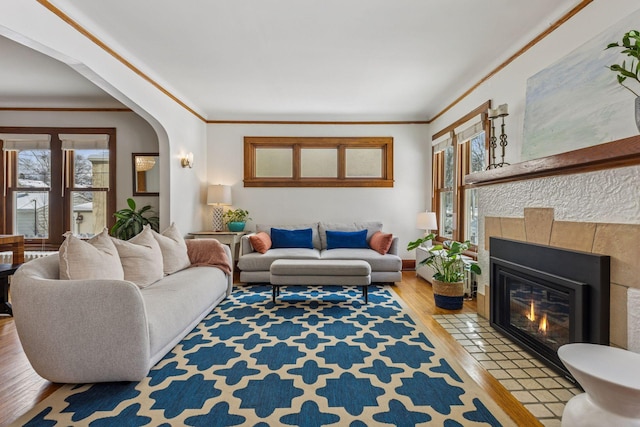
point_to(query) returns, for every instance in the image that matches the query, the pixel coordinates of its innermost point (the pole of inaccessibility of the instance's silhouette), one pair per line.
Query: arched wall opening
(177, 130)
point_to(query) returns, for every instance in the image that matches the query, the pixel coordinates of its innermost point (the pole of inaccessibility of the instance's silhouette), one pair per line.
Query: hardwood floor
(21, 388)
(417, 294)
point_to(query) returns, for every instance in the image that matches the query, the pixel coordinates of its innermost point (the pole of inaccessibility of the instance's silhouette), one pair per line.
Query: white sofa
(85, 331)
(255, 266)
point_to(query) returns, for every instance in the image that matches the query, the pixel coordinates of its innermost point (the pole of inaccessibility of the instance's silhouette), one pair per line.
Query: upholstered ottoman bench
(296, 272)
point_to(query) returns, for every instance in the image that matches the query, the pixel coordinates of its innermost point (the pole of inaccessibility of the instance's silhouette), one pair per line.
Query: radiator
(7, 257)
(470, 284)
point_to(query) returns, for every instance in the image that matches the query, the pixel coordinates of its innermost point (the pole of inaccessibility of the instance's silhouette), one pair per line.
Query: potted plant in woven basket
(448, 279)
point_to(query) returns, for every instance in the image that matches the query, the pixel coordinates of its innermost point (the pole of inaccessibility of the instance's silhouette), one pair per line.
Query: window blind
(469, 132)
(25, 141)
(87, 141)
(442, 145)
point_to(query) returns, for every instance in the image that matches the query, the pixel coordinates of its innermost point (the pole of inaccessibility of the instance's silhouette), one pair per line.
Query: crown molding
(66, 18)
(68, 109)
(117, 56)
(314, 122)
(536, 40)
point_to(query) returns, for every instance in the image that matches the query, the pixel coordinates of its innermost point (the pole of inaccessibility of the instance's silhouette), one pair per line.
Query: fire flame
(532, 313)
(543, 324)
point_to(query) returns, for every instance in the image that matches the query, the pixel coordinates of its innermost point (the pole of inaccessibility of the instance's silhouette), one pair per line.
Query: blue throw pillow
(281, 238)
(346, 239)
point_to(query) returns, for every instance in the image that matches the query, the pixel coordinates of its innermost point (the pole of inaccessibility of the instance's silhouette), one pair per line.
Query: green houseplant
(129, 221)
(236, 219)
(448, 266)
(630, 47)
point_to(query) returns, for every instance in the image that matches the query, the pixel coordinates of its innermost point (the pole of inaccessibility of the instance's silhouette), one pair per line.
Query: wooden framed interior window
(318, 161)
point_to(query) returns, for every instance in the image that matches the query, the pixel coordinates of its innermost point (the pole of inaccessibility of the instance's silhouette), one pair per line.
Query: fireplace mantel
(623, 152)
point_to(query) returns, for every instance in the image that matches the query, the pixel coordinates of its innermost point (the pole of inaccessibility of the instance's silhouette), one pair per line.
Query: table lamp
(218, 196)
(427, 221)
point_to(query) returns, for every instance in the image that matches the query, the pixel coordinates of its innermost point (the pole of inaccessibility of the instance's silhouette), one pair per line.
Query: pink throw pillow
(381, 242)
(261, 242)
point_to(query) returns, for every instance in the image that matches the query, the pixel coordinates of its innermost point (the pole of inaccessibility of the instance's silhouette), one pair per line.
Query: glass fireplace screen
(540, 313)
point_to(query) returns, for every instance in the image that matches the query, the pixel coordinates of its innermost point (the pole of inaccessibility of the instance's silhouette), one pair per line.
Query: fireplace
(543, 297)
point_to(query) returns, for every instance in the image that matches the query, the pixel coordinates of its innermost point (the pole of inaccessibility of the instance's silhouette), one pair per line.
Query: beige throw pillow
(173, 248)
(141, 258)
(96, 258)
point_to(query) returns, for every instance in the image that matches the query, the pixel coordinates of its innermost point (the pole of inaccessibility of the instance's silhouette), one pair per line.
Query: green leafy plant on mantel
(237, 215)
(446, 259)
(130, 222)
(630, 46)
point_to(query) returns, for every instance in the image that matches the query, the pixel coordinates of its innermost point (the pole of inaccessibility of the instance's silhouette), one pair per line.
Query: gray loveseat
(255, 266)
(85, 331)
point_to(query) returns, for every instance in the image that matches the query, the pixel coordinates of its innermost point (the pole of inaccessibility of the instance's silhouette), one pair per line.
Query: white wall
(178, 131)
(396, 207)
(133, 135)
(509, 85)
(606, 196)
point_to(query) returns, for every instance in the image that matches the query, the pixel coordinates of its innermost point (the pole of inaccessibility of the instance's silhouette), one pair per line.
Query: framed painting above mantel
(576, 102)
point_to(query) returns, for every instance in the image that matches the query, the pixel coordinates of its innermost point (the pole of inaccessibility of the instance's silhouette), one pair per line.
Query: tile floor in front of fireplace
(540, 389)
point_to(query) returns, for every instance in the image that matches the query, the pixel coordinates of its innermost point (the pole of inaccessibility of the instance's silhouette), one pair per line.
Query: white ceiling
(291, 59)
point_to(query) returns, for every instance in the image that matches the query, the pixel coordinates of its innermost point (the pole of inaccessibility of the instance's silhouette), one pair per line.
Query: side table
(6, 270)
(15, 243)
(230, 238)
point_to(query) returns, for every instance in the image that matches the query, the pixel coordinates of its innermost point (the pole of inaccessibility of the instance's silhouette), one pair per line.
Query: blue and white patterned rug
(319, 356)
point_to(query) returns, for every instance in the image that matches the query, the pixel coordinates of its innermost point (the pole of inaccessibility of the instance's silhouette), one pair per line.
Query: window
(444, 172)
(475, 151)
(318, 162)
(33, 172)
(460, 149)
(57, 180)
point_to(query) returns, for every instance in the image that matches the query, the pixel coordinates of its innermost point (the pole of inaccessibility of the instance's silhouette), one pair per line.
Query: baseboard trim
(408, 264)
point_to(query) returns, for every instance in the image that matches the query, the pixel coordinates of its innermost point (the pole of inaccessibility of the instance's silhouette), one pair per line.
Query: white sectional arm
(245, 244)
(68, 327)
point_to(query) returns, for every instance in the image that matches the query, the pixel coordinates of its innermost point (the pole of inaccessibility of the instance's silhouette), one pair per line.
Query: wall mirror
(146, 174)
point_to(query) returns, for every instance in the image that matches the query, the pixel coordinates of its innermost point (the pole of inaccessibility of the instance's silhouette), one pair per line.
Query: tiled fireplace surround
(596, 212)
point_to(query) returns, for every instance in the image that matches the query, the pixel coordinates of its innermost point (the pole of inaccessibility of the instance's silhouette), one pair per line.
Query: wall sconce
(187, 161)
(501, 112)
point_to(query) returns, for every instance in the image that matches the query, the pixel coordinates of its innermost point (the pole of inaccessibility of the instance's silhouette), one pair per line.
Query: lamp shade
(427, 221)
(219, 195)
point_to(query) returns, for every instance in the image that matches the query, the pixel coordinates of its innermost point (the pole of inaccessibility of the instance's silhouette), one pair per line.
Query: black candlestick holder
(500, 112)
